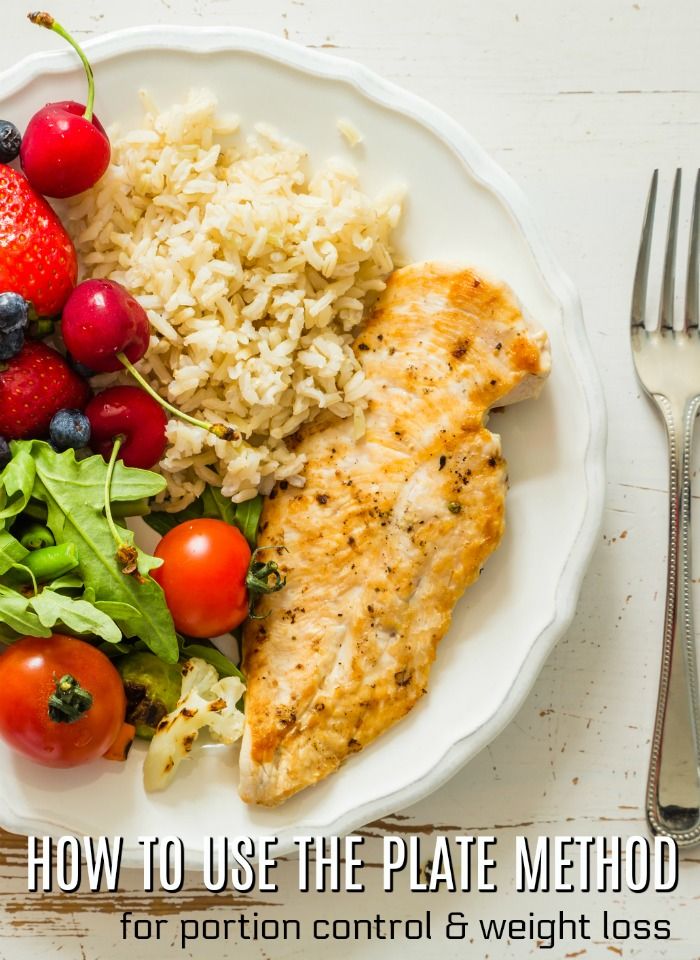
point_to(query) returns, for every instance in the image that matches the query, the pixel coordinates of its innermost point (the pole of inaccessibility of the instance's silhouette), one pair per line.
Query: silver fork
(668, 367)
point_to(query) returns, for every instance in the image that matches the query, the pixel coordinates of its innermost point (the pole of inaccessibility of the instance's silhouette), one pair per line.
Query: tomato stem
(69, 701)
(46, 20)
(258, 580)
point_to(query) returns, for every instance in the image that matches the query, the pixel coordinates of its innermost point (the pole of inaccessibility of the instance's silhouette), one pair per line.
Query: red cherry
(105, 329)
(65, 149)
(131, 413)
(100, 320)
(63, 153)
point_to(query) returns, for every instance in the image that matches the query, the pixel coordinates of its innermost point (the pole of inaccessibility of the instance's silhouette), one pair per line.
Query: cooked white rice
(253, 269)
(348, 130)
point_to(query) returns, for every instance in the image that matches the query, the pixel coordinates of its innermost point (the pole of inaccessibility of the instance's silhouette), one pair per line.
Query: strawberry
(37, 257)
(34, 385)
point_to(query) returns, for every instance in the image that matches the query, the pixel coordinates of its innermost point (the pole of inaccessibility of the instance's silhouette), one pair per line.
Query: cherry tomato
(53, 722)
(205, 563)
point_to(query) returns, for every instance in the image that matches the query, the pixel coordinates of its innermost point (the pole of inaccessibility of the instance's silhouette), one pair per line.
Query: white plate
(462, 207)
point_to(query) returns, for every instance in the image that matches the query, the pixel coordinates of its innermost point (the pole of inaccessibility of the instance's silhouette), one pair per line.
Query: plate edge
(201, 39)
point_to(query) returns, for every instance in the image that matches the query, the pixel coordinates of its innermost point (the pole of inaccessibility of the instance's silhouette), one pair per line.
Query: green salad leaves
(71, 579)
(95, 598)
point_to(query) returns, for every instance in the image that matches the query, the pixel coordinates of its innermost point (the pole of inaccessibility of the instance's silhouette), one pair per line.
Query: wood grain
(578, 101)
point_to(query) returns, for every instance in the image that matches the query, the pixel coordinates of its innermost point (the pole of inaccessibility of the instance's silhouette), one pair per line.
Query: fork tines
(666, 305)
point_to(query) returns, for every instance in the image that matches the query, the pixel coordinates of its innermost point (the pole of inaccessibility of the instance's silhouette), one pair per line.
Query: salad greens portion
(58, 567)
(95, 598)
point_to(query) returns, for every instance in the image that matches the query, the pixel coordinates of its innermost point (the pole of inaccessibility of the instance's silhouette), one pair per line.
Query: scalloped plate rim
(202, 40)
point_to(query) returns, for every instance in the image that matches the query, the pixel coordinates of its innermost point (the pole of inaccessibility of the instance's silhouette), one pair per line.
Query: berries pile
(43, 393)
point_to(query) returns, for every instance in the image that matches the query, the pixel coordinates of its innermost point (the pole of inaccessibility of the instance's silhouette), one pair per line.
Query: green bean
(49, 562)
(130, 508)
(36, 536)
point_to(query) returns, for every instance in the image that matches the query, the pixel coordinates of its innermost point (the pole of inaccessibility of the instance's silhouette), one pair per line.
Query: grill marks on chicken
(388, 531)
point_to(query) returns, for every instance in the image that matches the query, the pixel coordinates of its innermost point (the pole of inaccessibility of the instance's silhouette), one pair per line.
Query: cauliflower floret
(205, 701)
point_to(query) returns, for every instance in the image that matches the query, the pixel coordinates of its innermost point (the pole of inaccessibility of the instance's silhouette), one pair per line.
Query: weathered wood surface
(578, 101)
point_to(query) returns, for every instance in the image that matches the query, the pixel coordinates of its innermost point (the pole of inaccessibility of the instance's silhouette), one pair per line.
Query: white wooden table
(578, 100)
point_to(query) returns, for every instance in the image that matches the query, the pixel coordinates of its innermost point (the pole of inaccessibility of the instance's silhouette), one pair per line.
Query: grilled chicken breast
(388, 531)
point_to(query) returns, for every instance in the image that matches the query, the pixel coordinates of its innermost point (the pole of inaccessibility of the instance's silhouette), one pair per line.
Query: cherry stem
(118, 441)
(46, 20)
(219, 430)
(127, 554)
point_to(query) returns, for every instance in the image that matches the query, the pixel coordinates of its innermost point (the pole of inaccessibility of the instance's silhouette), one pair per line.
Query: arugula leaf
(69, 581)
(113, 650)
(73, 492)
(78, 615)
(248, 518)
(11, 551)
(216, 505)
(117, 610)
(213, 505)
(16, 481)
(15, 614)
(162, 522)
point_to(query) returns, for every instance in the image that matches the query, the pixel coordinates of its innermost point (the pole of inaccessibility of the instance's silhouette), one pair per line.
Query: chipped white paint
(578, 101)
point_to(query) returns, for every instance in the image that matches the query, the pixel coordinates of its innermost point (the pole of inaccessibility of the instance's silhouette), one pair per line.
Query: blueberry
(79, 367)
(11, 343)
(5, 455)
(14, 312)
(14, 316)
(10, 141)
(69, 428)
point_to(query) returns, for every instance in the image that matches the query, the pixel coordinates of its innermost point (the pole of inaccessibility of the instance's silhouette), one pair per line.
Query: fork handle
(673, 790)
